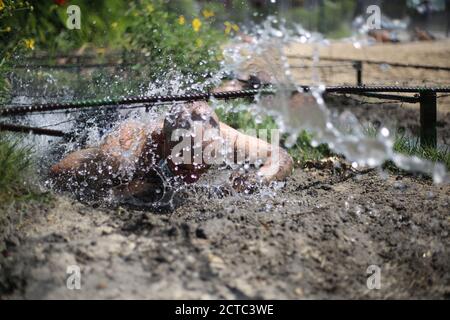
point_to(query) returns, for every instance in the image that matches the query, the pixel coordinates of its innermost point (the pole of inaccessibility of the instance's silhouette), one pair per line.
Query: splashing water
(264, 55)
(307, 110)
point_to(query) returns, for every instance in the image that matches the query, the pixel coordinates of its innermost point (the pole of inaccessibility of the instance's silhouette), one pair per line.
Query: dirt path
(314, 239)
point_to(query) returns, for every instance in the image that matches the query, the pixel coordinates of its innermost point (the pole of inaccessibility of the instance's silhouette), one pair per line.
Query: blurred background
(105, 23)
(135, 47)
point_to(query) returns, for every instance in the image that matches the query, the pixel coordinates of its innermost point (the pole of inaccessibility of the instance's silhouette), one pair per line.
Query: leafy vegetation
(43, 24)
(174, 42)
(4, 84)
(15, 161)
(9, 42)
(15, 166)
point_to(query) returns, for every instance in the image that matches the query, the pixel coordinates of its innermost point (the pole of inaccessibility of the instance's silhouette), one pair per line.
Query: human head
(188, 123)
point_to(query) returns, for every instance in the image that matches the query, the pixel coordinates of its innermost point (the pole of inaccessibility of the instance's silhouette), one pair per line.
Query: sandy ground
(314, 238)
(423, 53)
(337, 73)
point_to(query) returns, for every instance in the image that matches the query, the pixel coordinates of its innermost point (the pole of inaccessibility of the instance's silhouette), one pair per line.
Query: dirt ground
(423, 53)
(313, 238)
(435, 53)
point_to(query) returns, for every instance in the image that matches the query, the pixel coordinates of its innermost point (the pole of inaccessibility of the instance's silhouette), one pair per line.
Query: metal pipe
(391, 97)
(155, 100)
(32, 130)
(359, 72)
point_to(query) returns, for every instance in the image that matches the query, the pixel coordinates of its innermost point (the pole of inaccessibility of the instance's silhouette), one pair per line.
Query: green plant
(173, 43)
(18, 193)
(187, 8)
(15, 164)
(303, 150)
(43, 24)
(4, 84)
(9, 41)
(236, 116)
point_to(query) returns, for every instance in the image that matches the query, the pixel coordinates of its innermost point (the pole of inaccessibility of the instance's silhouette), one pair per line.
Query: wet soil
(314, 239)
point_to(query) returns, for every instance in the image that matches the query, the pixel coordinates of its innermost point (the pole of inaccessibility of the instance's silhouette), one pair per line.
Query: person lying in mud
(130, 159)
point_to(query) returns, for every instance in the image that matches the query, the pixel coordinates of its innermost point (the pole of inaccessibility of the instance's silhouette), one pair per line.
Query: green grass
(242, 119)
(18, 193)
(15, 169)
(303, 151)
(411, 146)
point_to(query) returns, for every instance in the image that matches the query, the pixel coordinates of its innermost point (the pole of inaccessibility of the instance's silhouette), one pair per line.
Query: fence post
(359, 72)
(428, 118)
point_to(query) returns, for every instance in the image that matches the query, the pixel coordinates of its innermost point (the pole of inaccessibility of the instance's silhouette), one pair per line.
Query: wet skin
(125, 160)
